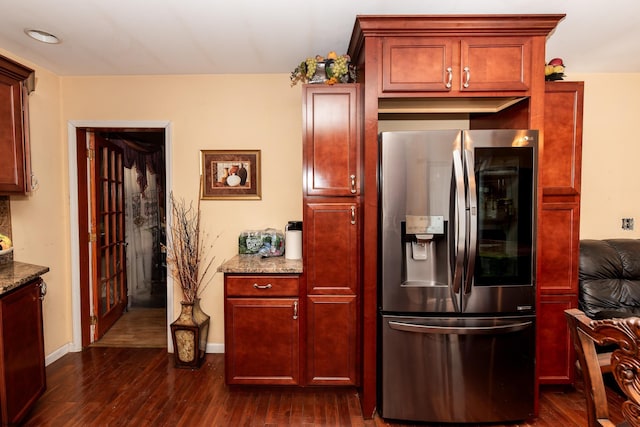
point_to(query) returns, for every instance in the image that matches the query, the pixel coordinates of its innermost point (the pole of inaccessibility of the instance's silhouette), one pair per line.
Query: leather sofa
(609, 278)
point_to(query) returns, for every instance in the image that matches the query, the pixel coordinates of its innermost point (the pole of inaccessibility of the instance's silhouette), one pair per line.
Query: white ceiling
(128, 37)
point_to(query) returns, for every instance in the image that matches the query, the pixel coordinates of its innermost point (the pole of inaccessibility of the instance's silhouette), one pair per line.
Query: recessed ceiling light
(42, 36)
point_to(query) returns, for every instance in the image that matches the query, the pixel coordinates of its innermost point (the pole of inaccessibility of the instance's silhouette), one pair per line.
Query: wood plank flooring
(108, 386)
(138, 327)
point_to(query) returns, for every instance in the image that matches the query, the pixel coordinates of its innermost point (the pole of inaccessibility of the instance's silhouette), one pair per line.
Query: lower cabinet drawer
(262, 286)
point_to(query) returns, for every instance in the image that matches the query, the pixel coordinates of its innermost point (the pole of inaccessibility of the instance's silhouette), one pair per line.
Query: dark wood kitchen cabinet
(22, 373)
(332, 249)
(451, 66)
(331, 156)
(332, 272)
(332, 164)
(559, 228)
(262, 329)
(15, 169)
(332, 332)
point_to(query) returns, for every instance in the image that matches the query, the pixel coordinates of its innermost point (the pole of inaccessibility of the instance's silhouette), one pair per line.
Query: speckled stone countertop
(256, 264)
(14, 274)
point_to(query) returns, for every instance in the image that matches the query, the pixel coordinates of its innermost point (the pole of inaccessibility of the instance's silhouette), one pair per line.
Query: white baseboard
(68, 348)
(57, 354)
(215, 347)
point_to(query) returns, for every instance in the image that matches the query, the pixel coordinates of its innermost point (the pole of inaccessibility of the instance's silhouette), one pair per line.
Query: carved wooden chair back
(625, 364)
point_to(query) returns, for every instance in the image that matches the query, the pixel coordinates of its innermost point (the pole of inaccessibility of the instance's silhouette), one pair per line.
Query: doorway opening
(121, 188)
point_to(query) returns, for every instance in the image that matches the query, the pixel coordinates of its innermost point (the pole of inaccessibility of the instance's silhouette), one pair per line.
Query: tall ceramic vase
(189, 332)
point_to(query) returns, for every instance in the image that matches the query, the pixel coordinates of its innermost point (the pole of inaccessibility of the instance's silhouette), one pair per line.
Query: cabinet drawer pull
(353, 184)
(353, 215)
(467, 76)
(267, 286)
(295, 310)
(449, 77)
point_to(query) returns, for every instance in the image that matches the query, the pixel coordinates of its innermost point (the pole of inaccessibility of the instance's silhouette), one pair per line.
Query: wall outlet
(627, 223)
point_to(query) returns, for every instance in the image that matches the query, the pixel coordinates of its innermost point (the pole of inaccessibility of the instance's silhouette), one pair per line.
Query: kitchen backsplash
(5, 225)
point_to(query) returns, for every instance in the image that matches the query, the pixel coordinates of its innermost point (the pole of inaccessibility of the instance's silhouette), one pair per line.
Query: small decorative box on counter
(268, 242)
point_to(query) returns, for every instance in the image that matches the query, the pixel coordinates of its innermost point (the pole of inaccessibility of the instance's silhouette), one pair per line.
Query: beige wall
(610, 153)
(210, 113)
(40, 221)
(205, 112)
(255, 112)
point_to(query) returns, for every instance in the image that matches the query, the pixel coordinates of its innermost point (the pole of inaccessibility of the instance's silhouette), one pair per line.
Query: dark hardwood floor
(140, 387)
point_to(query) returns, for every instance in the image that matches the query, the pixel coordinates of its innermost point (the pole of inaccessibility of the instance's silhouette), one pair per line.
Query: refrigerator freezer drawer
(459, 370)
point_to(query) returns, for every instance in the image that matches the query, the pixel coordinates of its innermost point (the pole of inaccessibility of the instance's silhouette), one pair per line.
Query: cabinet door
(332, 340)
(331, 150)
(561, 166)
(556, 356)
(14, 127)
(331, 239)
(23, 373)
(495, 64)
(262, 341)
(417, 64)
(558, 248)
(12, 160)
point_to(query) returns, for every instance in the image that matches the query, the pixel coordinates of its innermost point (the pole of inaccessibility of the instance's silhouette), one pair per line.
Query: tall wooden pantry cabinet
(331, 231)
(559, 228)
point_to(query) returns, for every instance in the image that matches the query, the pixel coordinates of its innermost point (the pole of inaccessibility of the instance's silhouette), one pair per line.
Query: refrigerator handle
(472, 220)
(459, 223)
(463, 330)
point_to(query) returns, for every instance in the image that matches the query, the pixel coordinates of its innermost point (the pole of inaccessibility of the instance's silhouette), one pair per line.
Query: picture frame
(230, 174)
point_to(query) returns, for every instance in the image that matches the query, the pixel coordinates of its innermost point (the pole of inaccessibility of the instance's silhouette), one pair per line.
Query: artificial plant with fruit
(338, 69)
(554, 70)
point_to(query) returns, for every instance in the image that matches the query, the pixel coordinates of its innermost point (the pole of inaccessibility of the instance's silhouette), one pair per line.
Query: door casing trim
(74, 232)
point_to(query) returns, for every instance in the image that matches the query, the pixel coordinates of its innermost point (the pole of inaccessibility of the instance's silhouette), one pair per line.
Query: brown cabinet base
(331, 340)
(22, 375)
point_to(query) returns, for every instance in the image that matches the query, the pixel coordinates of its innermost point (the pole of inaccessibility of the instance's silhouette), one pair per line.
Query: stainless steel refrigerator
(457, 275)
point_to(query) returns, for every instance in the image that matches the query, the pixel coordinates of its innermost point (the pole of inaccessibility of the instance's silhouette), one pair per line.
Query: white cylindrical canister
(293, 244)
(293, 240)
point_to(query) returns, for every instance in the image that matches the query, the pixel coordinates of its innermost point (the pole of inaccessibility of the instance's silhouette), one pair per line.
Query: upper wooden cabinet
(560, 174)
(473, 64)
(331, 157)
(15, 170)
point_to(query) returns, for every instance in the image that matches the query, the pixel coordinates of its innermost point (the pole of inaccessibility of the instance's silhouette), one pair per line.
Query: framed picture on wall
(230, 174)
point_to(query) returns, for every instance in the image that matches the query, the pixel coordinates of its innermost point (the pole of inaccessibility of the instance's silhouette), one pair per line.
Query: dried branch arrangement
(186, 251)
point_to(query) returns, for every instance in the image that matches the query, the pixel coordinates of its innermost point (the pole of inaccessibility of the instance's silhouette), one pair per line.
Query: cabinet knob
(449, 78)
(267, 286)
(467, 76)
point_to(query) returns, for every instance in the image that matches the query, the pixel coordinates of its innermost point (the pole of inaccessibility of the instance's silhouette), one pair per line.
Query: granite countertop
(258, 264)
(15, 274)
